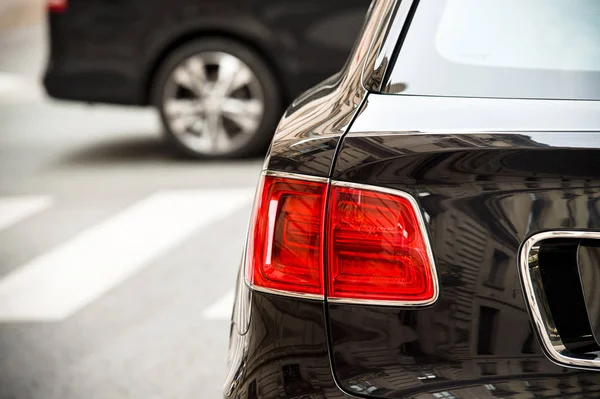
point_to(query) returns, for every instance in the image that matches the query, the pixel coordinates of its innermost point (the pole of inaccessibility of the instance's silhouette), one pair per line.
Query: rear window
(547, 49)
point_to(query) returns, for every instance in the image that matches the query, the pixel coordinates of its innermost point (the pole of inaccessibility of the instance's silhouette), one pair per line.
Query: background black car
(428, 223)
(219, 71)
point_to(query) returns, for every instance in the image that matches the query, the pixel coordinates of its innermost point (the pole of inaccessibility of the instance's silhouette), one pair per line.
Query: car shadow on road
(130, 149)
(124, 149)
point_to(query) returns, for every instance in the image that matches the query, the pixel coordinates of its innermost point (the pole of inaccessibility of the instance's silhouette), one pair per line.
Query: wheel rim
(213, 103)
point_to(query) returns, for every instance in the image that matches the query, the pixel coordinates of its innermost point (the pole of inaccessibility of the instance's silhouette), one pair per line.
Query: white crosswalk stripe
(60, 282)
(221, 309)
(15, 208)
(17, 88)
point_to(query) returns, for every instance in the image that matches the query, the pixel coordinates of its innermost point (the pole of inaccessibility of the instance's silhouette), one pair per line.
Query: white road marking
(15, 208)
(59, 283)
(14, 88)
(10, 82)
(221, 309)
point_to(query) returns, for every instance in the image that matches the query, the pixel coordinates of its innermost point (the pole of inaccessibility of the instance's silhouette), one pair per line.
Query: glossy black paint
(487, 174)
(285, 351)
(108, 51)
(286, 355)
(482, 195)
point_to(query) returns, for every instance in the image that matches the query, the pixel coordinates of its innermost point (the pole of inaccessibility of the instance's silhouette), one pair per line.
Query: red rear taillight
(285, 247)
(375, 249)
(57, 5)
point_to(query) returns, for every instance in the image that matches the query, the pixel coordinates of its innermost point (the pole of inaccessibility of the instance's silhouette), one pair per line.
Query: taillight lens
(57, 5)
(376, 248)
(285, 247)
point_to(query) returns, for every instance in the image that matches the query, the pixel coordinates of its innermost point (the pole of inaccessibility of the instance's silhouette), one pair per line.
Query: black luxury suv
(427, 223)
(220, 72)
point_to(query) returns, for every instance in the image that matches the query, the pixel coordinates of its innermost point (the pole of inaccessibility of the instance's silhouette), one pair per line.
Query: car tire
(248, 102)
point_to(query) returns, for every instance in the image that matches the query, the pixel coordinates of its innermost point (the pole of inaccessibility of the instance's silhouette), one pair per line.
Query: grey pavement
(147, 335)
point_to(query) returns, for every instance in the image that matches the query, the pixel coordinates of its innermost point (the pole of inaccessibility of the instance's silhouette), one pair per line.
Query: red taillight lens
(57, 5)
(285, 247)
(376, 248)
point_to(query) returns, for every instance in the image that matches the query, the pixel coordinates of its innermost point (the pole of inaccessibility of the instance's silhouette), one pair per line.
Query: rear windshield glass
(501, 48)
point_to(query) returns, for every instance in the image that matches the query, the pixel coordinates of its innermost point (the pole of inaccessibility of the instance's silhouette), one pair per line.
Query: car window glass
(545, 34)
(501, 48)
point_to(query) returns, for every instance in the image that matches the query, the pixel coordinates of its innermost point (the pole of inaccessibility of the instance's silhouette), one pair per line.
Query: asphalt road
(117, 260)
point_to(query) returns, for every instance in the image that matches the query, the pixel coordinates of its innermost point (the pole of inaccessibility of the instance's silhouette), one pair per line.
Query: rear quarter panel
(482, 192)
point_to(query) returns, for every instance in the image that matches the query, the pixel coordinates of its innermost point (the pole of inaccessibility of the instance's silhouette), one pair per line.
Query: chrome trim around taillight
(398, 193)
(285, 175)
(285, 293)
(296, 176)
(423, 230)
(537, 304)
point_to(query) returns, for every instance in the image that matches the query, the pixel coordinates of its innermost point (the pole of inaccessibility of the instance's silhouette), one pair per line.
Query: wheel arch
(180, 39)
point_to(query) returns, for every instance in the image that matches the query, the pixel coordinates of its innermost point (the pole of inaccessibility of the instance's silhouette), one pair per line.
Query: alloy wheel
(213, 103)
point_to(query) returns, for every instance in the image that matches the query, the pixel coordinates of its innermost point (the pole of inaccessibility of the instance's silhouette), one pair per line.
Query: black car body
(108, 51)
(118, 51)
(496, 168)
